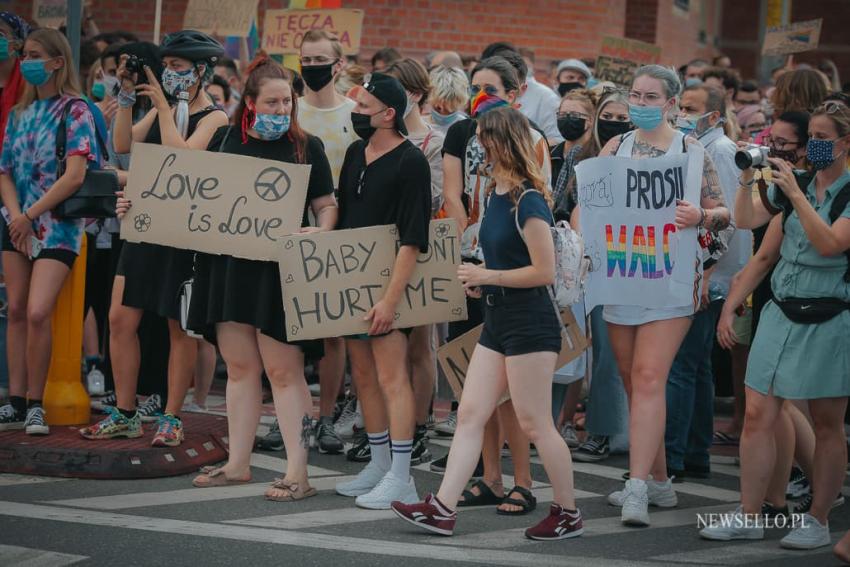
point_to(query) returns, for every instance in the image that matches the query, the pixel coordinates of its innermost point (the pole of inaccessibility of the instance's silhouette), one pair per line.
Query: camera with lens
(752, 156)
(134, 65)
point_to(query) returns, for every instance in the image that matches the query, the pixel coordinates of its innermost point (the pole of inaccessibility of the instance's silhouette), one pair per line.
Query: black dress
(228, 289)
(153, 274)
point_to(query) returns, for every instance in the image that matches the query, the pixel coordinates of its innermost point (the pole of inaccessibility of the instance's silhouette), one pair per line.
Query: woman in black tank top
(150, 275)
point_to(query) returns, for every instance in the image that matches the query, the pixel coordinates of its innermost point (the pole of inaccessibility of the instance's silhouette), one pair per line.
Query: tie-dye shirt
(29, 158)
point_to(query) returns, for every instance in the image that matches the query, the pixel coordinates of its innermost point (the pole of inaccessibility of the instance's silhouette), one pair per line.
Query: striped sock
(401, 458)
(379, 443)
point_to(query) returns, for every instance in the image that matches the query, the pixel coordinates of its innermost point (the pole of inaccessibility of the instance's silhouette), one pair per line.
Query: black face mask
(564, 88)
(788, 155)
(607, 129)
(317, 76)
(362, 124)
(572, 127)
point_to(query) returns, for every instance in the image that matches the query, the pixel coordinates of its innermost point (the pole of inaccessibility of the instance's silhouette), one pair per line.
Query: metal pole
(73, 25)
(157, 22)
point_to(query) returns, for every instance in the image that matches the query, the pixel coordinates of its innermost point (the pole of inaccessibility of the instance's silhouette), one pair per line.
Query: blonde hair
(315, 36)
(449, 85)
(838, 113)
(505, 135)
(350, 77)
(55, 44)
(613, 96)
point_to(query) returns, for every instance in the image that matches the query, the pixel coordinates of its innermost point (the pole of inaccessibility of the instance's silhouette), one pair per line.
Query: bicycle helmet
(192, 45)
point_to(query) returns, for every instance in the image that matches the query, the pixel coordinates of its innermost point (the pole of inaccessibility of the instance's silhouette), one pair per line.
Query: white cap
(575, 65)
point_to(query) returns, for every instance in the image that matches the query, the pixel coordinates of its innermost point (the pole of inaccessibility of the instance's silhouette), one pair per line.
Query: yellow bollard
(66, 402)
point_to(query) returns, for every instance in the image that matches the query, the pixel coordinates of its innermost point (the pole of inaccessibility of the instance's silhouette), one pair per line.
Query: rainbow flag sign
(794, 38)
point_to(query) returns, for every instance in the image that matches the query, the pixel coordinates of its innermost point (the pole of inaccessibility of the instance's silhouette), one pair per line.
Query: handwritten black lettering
(180, 184)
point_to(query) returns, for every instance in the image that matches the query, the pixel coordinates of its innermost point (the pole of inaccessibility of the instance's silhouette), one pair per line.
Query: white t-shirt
(431, 144)
(540, 105)
(333, 127)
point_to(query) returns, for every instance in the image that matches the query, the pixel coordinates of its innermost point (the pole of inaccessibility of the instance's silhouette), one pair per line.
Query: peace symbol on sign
(272, 184)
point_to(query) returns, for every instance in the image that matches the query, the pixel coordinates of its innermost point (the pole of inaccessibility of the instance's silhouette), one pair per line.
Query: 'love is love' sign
(213, 202)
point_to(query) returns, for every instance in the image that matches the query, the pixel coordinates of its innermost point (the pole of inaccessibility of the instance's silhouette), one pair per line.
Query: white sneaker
(635, 510)
(350, 420)
(810, 534)
(389, 490)
(447, 427)
(363, 483)
(660, 494)
(732, 525)
(192, 407)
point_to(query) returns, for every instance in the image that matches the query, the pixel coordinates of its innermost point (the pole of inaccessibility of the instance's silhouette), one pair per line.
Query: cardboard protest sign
(332, 279)
(793, 38)
(50, 13)
(213, 202)
(221, 17)
(283, 30)
(616, 70)
(628, 209)
(630, 49)
(454, 356)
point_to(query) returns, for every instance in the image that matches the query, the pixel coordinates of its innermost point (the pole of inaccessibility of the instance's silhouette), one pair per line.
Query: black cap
(388, 90)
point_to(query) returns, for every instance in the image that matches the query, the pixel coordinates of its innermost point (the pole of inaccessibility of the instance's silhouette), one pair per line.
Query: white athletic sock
(379, 443)
(401, 458)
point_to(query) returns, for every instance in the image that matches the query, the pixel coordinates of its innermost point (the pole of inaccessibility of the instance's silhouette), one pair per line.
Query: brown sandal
(292, 491)
(214, 476)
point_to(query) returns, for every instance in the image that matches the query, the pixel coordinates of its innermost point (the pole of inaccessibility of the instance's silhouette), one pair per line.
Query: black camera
(134, 65)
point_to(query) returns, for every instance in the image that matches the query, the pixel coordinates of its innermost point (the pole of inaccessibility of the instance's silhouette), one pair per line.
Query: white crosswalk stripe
(29, 557)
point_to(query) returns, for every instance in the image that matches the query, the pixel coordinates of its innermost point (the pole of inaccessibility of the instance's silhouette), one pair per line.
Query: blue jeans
(690, 394)
(607, 407)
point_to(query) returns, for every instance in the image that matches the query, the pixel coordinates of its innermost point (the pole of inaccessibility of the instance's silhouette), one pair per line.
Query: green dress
(798, 361)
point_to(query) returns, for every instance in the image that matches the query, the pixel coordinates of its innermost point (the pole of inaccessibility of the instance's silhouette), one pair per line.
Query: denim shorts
(520, 322)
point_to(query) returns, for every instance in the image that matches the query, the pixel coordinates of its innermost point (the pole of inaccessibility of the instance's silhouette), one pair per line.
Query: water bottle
(182, 118)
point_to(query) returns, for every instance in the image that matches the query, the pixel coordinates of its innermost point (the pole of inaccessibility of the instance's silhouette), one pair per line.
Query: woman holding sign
(521, 338)
(239, 302)
(645, 340)
(150, 276)
(39, 247)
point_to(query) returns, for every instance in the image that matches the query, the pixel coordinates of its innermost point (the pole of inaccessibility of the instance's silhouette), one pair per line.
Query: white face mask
(411, 104)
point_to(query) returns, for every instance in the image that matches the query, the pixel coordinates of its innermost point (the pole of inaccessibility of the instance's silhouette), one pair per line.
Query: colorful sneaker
(11, 419)
(116, 424)
(447, 427)
(731, 526)
(151, 409)
(429, 515)
(559, 524)
(273, 440)
(390, 489)
(595, 448)
(363, 483)
(36, 423)
(169, 432)
(810, 534)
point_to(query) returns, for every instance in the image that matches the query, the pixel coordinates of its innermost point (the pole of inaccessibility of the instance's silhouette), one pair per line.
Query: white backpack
(571, 265)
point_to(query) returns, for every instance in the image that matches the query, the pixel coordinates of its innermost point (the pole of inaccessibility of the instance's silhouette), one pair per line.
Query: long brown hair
(55, 44)
(800, 89)
(263, 69)
(505, 135)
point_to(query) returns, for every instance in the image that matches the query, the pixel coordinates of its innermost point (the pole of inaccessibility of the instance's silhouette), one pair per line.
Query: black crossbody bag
(95, 199)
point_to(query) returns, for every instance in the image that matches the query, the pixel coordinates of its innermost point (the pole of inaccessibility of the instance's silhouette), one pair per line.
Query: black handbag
(95, 199)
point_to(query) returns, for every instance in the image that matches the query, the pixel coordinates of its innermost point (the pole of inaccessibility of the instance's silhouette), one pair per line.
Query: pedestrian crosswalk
(331, 524)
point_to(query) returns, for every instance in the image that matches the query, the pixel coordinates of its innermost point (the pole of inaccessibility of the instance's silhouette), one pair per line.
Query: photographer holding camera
(800, 352)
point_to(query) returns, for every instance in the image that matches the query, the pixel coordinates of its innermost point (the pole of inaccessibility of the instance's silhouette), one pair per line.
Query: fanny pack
(812, 311)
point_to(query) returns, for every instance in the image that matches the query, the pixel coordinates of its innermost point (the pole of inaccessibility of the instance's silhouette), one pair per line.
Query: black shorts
(67, 257)
(366, 336)
(520, 321)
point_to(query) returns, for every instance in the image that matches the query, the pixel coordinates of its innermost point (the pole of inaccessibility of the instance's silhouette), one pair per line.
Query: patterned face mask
(820, 153)
(271, 126)
(178, 81)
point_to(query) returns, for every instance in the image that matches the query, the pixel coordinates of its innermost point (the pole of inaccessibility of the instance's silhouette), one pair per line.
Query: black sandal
(528, 504)
(485, 496)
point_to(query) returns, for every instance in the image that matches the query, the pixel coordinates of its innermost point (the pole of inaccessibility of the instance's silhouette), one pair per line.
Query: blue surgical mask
(4, 48)
(174, 82)
(446, 120)
(35, 72)
(646, 117)
(693, 81)
(820, 153)
(271, 126)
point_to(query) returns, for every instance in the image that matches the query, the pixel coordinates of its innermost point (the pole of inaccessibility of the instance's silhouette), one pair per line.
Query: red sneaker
(559, 524)
(429, 515)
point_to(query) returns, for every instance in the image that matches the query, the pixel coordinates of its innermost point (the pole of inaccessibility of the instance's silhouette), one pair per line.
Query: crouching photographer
(800, 350)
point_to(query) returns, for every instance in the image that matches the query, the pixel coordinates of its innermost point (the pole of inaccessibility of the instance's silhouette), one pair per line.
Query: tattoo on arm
(716, 219)
(711, 184)
(306, 430)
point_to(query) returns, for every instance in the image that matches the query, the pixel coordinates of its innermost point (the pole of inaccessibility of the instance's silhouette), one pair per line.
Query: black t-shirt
(501, 242)
(393, 189)
(321, 180)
